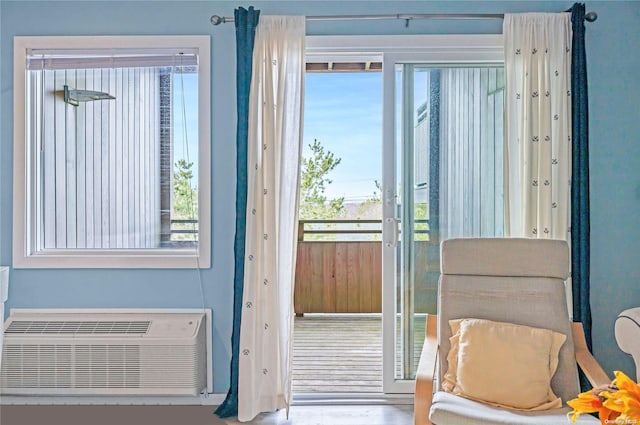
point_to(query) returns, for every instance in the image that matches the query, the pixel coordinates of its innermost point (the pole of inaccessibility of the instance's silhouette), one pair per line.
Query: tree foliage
(314, 181)
(375, 198)
(185, 197)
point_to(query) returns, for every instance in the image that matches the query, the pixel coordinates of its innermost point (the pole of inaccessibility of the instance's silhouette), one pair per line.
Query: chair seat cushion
(451, 409)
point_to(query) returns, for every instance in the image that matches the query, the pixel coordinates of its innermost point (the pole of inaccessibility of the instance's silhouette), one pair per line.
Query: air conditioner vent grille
(103, 353)
(64, 327)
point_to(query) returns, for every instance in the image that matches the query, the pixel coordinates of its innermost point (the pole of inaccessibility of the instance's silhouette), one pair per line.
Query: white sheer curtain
(538, 124)
(275, 134)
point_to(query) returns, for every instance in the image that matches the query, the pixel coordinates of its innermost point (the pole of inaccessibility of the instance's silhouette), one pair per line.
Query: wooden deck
(341, 353)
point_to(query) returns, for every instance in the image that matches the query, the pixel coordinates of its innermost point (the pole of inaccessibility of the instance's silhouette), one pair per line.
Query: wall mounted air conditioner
(85, 353)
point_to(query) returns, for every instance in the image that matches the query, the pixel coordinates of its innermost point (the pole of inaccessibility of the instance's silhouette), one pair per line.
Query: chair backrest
(510, 280)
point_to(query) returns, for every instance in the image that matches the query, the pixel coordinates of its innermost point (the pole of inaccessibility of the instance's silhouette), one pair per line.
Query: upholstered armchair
(627, 330)
(506, 288)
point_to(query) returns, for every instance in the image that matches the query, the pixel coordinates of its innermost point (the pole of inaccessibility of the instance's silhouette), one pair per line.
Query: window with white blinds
(115, 148)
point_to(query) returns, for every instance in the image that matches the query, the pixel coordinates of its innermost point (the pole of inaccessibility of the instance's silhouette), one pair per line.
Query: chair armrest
(424, 374)
(589, 365)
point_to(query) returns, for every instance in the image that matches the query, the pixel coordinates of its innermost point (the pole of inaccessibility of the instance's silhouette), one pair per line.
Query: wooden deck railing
(338, 277)
(336, 274)
(185, 227)
(181, 234)
(336, 228)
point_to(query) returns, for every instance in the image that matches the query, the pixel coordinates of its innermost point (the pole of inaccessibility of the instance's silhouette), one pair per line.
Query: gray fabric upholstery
(524, 292)
(505, 257)
(537, 302)
(453, 410)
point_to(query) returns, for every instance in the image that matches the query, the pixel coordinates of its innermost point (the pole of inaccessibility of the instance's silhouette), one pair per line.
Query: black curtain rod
(217, 20)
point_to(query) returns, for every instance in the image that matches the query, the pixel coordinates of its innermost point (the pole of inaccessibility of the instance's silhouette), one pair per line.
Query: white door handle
(393, 240)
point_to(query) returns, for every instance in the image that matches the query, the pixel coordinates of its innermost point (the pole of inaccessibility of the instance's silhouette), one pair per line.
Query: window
(454, 137)
(112, 152)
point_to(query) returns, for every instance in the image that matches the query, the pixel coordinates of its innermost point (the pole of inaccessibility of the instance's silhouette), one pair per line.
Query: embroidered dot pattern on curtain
(538, 124)
(273, 164)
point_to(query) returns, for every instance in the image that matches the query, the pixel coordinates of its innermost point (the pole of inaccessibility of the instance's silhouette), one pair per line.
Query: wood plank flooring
(341, 353)
(202, 415)
(338, 415)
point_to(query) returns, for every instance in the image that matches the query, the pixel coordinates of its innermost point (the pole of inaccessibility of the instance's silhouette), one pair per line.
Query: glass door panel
(417, 250)
(443, 179)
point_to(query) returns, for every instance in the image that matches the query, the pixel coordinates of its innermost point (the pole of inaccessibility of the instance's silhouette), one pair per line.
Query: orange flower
(615, 403)
(590, 402)
(626, 400)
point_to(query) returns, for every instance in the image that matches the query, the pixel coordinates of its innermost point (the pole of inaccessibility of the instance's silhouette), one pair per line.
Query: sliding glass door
(442, 173)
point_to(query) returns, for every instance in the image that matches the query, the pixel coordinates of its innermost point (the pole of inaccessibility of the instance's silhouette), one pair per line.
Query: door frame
(392, 50)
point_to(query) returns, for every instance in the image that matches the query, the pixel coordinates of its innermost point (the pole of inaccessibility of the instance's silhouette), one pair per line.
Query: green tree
(376, 198)
(185, 197)
(377, 193)
(314, 181)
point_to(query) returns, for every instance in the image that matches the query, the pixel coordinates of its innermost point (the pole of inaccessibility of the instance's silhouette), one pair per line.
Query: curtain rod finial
(591, 16)
(216, 20)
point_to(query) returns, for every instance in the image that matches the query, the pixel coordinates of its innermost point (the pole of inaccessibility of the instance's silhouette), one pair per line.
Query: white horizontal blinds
(53, 59)
(471, 152)
(100, 160)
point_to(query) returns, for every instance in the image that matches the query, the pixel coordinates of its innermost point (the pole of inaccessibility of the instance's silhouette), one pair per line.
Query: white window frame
(392, 50)
(24, 255)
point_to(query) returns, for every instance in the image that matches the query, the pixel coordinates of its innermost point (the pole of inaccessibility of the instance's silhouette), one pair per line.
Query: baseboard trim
(346, 399)
(202, 400)
(320, 399)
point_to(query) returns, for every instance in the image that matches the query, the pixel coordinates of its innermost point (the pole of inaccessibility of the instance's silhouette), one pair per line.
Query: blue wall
(612, 48)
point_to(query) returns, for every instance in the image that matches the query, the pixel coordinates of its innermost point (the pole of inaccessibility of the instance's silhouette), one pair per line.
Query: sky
(185, 104)
(344, 112)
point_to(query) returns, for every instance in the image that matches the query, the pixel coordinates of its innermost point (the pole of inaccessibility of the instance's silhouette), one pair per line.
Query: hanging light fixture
(75, 96)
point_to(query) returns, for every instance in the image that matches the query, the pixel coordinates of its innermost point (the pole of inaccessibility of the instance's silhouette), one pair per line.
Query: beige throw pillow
(503, 364)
